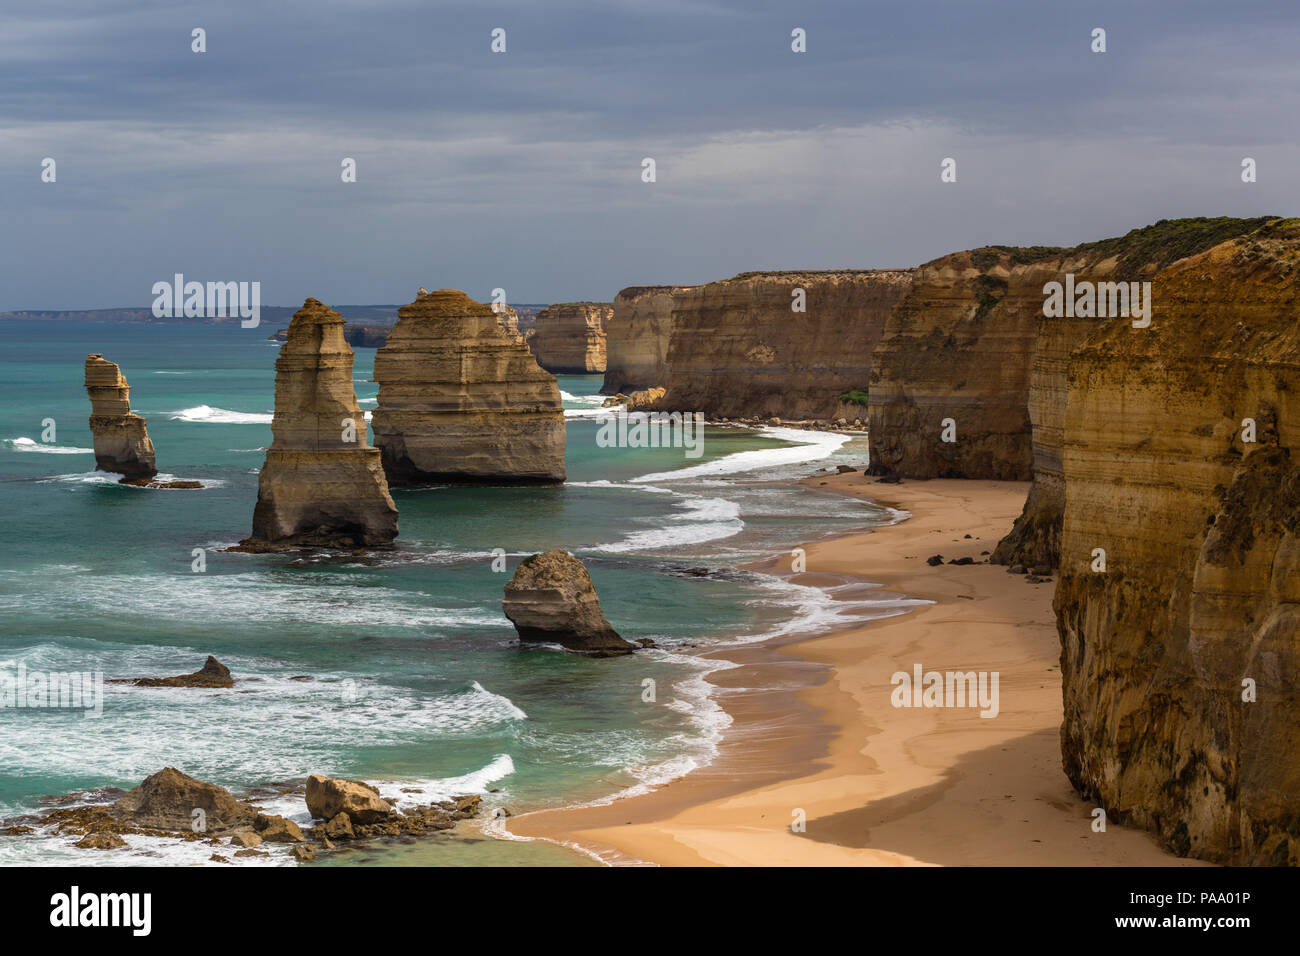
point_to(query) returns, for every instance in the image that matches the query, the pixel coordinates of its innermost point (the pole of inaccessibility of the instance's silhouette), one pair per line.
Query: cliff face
(570, 337)
(637, 338)
(738, 349)
(461, 399)
(122, 442)
(1180, 660)
(1137, 256)
(322, 484)
(953, 363)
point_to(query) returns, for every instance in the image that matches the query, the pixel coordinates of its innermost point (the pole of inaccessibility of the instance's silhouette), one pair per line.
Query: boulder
(167, 801)
(274, 829)
(551, 600)
(100, 840)
(327, 797)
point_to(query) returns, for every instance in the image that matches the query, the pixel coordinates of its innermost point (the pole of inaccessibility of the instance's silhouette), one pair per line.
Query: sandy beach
(817, 736)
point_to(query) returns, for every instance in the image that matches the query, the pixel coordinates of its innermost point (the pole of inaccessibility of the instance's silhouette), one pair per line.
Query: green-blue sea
(398, 668)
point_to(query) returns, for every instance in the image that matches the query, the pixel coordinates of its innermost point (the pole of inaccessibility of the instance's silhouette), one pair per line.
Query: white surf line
(812, 445)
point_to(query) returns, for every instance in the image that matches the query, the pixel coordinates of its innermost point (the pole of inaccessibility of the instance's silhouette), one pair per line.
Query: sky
(522, 170)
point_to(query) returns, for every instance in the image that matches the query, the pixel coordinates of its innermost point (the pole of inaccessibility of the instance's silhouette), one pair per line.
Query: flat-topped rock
(121, 440)
(462, 400)
(570, 337)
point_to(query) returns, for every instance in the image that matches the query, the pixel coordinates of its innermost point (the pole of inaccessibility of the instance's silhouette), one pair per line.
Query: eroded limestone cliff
(739, 348)
(1136, 256)
(637, 338)
(462, 400)
(950, 380)
(121, 439)
(1181, 659)
(570, 337)
(322, 484)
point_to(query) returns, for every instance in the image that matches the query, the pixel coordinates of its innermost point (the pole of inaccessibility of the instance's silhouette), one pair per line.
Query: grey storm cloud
(522, 170)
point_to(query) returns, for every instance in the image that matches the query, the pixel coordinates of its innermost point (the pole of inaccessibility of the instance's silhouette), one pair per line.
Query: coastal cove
(440, 699)
(816, 734)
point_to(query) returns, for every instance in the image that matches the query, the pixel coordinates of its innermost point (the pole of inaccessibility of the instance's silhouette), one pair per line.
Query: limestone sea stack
(121, 439)
(322, 484)
(570, 337)
(637, 336)
(462, 400)
(551, 600)
(739, 348)
(1178, 601)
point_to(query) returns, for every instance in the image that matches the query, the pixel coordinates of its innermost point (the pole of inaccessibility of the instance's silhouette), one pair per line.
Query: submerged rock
(212, 674)
(322, 484)
(462, 400)
(122, 444)
(551, 600)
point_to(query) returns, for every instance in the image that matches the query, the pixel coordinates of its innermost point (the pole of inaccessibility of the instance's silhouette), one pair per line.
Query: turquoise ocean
(399, 667)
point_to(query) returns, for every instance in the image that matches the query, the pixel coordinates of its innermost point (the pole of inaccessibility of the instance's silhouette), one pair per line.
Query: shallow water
(398, 668)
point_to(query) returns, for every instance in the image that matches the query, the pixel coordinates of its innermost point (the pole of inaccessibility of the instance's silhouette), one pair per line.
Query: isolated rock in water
(322, 484)
(551, 600)
(213, 674)
(570, 337)
(168, 799)
(637, 336)
(739, 349)
(100, 840)
(327, 797)
(462, 400)
(122, 442)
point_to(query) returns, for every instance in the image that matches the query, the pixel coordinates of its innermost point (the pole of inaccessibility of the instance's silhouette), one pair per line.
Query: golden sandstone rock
(121, 439)
(551, 600)
(570, 337)
(1035, 539)
(1180, 659)
(322, 484)
(637, 337)
(462, 400)
(739, 348)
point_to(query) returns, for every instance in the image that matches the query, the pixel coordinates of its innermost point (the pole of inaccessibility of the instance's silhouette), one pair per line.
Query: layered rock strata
(570, 337)
(1136, 256)
(1178, 602)
(462, 400)
(551, 600)
(637, 337)
(949, 392)
(322, 484)
(121, 440)
(739, 349)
